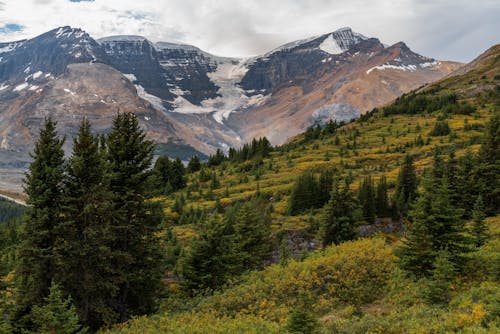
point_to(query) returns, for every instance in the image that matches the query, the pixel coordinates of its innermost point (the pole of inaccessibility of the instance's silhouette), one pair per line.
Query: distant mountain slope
(187, 96)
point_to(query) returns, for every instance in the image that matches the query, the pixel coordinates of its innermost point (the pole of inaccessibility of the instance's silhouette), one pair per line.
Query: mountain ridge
(187, 96)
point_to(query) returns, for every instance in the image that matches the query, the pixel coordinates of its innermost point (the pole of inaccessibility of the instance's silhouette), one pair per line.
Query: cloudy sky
(444, 29)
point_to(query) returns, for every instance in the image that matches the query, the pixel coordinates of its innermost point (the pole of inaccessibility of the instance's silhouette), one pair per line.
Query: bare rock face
(186, 96)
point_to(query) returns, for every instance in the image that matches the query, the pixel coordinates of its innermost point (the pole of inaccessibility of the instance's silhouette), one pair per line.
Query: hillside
(189, 100)
(358, 286)
(386, 224)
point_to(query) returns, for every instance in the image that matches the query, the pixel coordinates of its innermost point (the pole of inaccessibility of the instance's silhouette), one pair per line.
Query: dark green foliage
(9, 210)
(194, 164)
(382, 205)
(138, 268)
(257, 149)
(406, 186)
(438, 288)
(414, 103)
(310, 192)
(303, 194)
(479, 229)
(366, 199)
(84, 247)
(486, 174)
(168, 176)
(441, 128)
(302, 321)
(250, 236)
(338, 222)
(56, 315)
(44, 187)
(227, 247)
(216, 159)
(205, 265)
(437, 225)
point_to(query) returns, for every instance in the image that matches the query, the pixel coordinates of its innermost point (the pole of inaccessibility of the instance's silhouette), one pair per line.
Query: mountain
(191, 100)
(361, 274)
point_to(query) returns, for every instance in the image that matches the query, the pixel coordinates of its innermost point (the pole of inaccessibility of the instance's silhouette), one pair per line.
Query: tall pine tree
(44, 187)
(437, 225)
(338, 223)
(83, 250)
(406, 186)
(486, 175)
(382, 205)
(139, 256)
(366, 198)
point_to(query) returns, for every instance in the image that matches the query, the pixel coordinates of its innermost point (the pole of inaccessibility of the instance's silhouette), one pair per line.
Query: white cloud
(444, 29)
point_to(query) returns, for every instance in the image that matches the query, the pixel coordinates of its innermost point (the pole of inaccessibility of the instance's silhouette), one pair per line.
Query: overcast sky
(443, 29)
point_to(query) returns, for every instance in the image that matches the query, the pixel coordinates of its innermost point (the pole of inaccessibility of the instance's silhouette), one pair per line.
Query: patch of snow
(69, 91)
(130, 77)
(410, 68)
(5, 143)
(34, 87)
(154, 100)
(3, 86)
(429, 64)
(147, 118)
(27, 69)
(11, 46)
(102, 101)
(20, 87)
(37, 74)
(48, 75)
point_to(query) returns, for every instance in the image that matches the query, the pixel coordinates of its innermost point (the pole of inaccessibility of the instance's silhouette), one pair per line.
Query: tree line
(89, 243)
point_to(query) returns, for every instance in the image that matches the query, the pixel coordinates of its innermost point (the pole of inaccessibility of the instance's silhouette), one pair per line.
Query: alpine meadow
(335, 184)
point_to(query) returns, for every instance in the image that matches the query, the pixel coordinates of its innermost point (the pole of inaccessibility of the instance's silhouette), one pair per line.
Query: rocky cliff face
(187, 96)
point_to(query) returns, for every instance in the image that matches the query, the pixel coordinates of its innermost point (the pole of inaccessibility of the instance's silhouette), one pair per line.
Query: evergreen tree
(324, 187)
(205, 265)
(479, 229)
(366, 199)
(304, 192)
(139, 257)
(438, 286)
(44, 187)
(437, 225)
(338, 222)
(57, 315)
(251, 231)
(382, 205)
(302, 321)
(83, 249)
(194, 164)
(406, 186)
(486, 175)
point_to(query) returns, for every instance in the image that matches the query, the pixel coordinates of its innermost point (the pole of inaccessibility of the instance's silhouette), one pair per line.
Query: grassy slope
(376, 152)
(355, 287)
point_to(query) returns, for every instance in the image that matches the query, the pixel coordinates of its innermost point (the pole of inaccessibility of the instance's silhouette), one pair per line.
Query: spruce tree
(479, 229)
(382, 205)
(83, 250)
(366, 198)
(437, 225)
(443, 273)
(338, 223)
(304, 194)
(205, 265)
(194, 164)
(486, 175)
(251, 231)
(44, 187)
(138, 254)
(406, 186)
(57, 315)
